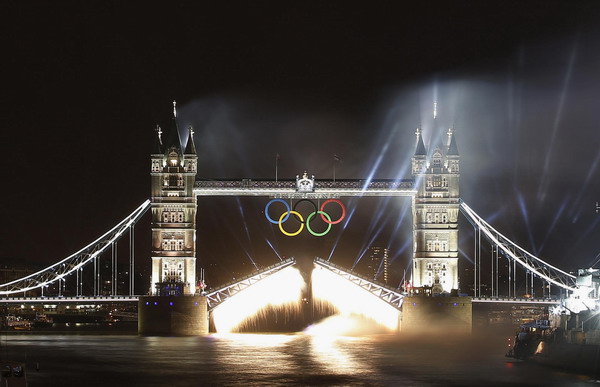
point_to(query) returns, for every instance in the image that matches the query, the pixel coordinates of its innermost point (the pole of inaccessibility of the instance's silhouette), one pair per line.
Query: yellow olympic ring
(301, 224)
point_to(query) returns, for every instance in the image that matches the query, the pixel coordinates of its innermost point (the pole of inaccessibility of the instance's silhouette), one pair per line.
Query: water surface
(272, 359)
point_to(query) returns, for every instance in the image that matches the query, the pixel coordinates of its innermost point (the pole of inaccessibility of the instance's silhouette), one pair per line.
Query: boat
(42, 320)
(570, 339)
(12, 374)
(527, 340)
(17, 323)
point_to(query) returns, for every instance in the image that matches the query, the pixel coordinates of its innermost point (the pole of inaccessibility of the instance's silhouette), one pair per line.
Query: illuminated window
(173, 244)
(173, 215)
(173, 158)
(191, 166)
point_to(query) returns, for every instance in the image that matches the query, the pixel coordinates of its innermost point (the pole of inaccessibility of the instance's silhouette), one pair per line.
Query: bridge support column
(172, 316)
(437, 314)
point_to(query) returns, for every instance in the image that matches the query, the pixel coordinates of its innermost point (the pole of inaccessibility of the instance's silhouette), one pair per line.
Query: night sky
(84, 85)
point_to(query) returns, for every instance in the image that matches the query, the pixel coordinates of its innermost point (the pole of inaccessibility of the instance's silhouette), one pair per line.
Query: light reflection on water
(271, 359)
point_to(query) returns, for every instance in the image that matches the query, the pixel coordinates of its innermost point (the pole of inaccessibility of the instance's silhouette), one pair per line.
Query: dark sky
(85, 84)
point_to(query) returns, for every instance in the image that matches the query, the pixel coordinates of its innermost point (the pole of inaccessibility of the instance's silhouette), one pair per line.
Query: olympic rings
(298, 217)
(328, 220)
(317, 233)
(287, 206)
(288, 214)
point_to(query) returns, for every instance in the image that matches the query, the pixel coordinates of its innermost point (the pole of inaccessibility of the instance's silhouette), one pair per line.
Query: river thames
(88, 359)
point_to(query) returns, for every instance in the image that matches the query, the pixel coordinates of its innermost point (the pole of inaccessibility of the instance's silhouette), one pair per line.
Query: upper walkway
(305, 188)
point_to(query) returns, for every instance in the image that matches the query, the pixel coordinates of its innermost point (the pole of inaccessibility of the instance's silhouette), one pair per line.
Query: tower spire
(190, 147)
(434, 110)
(174, 109)
(452, 148)
(420, 148)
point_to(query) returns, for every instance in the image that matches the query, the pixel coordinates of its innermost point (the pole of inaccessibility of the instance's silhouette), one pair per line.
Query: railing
(389, 295)
(59, 300)
(386, 184)
(215, 297)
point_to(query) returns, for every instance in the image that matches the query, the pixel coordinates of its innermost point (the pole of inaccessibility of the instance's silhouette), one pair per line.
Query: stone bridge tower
(435, 216)
(173, 174)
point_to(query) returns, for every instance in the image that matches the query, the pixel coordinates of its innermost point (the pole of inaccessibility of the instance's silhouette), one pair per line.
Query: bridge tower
(435, 215)
(173, 174)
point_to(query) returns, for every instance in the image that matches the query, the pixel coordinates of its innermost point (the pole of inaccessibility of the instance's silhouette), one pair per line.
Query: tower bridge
(433, 190)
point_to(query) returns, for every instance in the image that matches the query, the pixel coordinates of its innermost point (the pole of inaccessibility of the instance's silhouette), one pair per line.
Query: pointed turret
(420, 147)
(419, 158)
(172, 138)
(452, 148)
(190, 148)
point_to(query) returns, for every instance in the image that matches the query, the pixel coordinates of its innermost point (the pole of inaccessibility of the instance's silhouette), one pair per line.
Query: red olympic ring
(333, 201)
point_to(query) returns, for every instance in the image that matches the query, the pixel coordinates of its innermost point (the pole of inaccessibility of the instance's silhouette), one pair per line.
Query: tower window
(172, 244)
(173, 215)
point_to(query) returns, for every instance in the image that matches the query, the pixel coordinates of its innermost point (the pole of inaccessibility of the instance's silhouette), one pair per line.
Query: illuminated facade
(435, 216)
(173, 214)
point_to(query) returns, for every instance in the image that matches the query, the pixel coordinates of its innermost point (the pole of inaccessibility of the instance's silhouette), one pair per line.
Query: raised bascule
(176, 302)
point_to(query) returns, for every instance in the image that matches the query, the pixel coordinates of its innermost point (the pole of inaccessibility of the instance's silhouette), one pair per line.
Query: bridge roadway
(108, 299)
(58, 300)
(321, 189)
(511, 300)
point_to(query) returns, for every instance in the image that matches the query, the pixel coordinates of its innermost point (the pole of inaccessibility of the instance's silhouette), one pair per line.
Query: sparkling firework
(281, 290)
(350, 299)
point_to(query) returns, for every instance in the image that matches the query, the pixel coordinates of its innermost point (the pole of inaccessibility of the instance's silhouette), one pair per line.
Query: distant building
(11, 273)
(375, 265)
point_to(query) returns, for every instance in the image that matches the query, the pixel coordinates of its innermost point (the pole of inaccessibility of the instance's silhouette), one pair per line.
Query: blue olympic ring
(287, 206)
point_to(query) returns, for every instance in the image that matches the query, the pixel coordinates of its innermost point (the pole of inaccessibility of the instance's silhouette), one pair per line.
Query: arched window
(444, 217)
